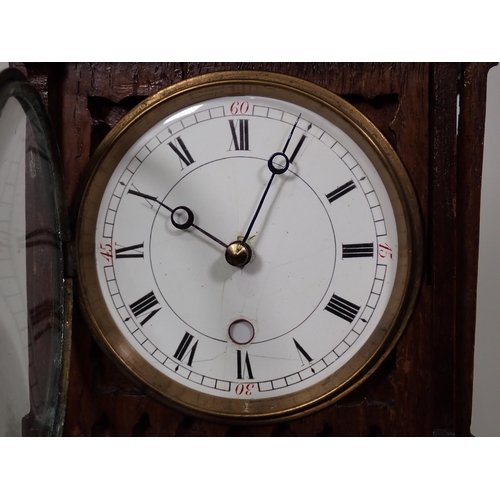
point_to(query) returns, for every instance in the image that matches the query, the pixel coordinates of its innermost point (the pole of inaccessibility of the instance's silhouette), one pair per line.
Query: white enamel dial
(300, 199)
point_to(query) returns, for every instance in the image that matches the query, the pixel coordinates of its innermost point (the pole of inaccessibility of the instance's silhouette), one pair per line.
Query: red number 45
(105, 251)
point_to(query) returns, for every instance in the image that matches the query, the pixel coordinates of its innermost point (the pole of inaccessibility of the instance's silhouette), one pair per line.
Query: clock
(249, 246)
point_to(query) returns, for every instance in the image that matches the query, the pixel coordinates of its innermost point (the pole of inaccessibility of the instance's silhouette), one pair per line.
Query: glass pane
(14, 382)
(33, 342)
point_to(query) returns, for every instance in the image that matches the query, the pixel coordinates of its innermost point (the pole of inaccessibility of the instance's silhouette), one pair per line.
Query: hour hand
(181, 217)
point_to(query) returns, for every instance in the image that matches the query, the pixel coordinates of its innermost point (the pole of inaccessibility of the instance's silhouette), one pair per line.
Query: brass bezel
(389, 167)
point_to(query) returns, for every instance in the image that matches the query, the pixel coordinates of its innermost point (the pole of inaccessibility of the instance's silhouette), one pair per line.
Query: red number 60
(239, 107)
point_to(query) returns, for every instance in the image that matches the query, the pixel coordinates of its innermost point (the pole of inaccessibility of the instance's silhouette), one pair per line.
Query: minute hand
(280, 169)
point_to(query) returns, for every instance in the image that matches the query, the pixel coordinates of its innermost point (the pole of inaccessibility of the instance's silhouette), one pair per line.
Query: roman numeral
(302, 352)
(184, 155)
(240, 140)
(143, 306)
(131, 252)
(243, 366)
(182, 349)
(297, 148)
(342, 308)
(340, 191)
(353, 250)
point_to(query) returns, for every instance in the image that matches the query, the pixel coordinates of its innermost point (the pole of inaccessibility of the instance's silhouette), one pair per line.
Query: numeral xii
(239, 133)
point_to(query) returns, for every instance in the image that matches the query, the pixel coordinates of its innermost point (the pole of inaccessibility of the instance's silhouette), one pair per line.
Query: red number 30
(245, 389)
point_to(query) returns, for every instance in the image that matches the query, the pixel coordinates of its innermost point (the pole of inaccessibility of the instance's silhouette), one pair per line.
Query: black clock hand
(185, 225)
(278, 164)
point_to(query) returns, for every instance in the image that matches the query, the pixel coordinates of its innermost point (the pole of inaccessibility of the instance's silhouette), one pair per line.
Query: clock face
(245, 252)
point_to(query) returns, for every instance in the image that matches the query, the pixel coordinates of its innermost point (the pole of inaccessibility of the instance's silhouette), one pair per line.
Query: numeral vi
(244, 369)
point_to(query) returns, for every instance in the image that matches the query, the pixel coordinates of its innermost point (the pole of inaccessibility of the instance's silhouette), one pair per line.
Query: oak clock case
(248, 246)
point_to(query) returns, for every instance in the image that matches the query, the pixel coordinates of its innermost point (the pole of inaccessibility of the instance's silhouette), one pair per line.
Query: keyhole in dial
(241, 331)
